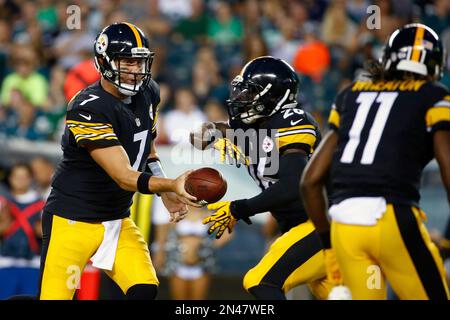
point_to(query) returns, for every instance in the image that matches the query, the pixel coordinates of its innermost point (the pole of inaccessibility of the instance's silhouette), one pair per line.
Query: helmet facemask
(117, 72)
(246, 101)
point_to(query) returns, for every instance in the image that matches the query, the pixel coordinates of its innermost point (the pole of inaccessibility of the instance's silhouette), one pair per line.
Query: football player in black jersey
(277, 140)
(108, 154)
(383, 133)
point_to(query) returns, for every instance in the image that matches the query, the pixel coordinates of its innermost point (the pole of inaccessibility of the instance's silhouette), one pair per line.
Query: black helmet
(414, 48)
(264, 85)
(121, 41)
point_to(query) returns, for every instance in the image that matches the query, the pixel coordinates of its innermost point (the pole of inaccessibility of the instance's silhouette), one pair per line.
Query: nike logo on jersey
(86, 117)
(293, 123)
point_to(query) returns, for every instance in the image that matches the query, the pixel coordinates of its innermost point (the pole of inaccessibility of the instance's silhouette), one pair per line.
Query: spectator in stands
(79, 77)
(74, 46)
(299, 15)
(20, 246)
(337, 28)
(100, 14)
(5, 48)
(183, 119)
(195, 26)
(174, 10)
(23, 120)
(205, 56)
(215, 111)
(439, 17)
(207, 84)
(47, 15)
(287, 43)
(32, 85)
(251, 16)
(357, 9)
(254, 46)
(224, 28)
(56, 101)
(43, 169)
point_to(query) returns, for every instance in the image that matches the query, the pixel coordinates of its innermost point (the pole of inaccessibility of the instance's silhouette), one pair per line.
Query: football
(206, 184)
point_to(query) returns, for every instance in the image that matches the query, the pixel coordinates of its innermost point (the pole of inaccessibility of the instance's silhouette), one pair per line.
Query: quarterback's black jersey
(81, 189)
(385, 137)
(290, 128)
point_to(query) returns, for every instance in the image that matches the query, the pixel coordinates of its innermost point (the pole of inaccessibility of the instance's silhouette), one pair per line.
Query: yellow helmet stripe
(136, 34)
(417, 43)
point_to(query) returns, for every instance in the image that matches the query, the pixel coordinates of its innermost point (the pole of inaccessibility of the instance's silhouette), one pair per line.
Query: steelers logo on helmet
(102, 43)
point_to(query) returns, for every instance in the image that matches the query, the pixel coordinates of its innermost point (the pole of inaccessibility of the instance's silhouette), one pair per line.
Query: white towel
(363, 211)
(106, 252)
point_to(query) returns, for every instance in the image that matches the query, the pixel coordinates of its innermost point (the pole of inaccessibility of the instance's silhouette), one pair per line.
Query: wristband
(142, 183)
(153, 166)
(325, 239)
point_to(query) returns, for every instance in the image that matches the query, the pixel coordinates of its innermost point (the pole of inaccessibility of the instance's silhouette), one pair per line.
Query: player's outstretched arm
(207, 134)
(114, 160)
(312, 188)
(312, 185)
(285, 190)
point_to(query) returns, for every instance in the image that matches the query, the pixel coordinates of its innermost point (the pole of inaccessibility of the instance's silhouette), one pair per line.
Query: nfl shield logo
(138, 122)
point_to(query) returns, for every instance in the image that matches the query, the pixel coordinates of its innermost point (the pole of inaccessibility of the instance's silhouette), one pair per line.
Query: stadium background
(200, 46)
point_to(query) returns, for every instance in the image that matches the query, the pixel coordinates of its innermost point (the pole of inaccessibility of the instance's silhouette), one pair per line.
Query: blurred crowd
(200, 46)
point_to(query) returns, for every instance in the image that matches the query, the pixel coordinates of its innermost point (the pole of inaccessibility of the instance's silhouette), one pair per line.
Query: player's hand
(332, 267)
(183, 195)
(229, 149)
(177, 209)
(204, 136)
(221, 219)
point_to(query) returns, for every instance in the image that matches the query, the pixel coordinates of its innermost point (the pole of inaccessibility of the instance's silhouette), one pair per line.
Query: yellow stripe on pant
(398, 248)
(294, 258)
(140, 213)
(72, 244)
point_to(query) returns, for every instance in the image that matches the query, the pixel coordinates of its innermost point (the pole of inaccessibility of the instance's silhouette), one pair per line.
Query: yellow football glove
(332, 267)
(222, 219)
(228, 148)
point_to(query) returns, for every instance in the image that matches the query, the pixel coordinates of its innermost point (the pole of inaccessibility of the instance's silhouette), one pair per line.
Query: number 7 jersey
(81, 189)
(385, 137)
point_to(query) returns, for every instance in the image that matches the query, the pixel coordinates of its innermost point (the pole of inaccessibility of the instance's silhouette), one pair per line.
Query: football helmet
(121, 41)
(414, 48)
(263, 87)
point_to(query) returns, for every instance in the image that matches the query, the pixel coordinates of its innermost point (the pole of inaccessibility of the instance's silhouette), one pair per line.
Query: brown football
(206, 184)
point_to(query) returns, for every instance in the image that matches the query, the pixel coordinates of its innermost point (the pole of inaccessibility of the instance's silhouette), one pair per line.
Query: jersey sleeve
(90, 126)
(334, 118)
(296, 132)
(155, 114)
(156, 99)
(438, 114)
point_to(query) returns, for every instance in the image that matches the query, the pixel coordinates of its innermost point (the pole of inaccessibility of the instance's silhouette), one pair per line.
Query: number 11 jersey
(386, 137)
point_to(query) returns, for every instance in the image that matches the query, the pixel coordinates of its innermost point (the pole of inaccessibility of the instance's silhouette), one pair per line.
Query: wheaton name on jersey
(385, 137)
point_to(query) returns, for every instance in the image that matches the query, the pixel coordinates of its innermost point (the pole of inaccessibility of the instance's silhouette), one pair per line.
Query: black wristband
(240, 210)
(325, 238)
(142, 183)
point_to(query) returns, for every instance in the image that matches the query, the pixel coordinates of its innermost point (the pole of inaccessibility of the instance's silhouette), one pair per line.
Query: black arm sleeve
(285, 190)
